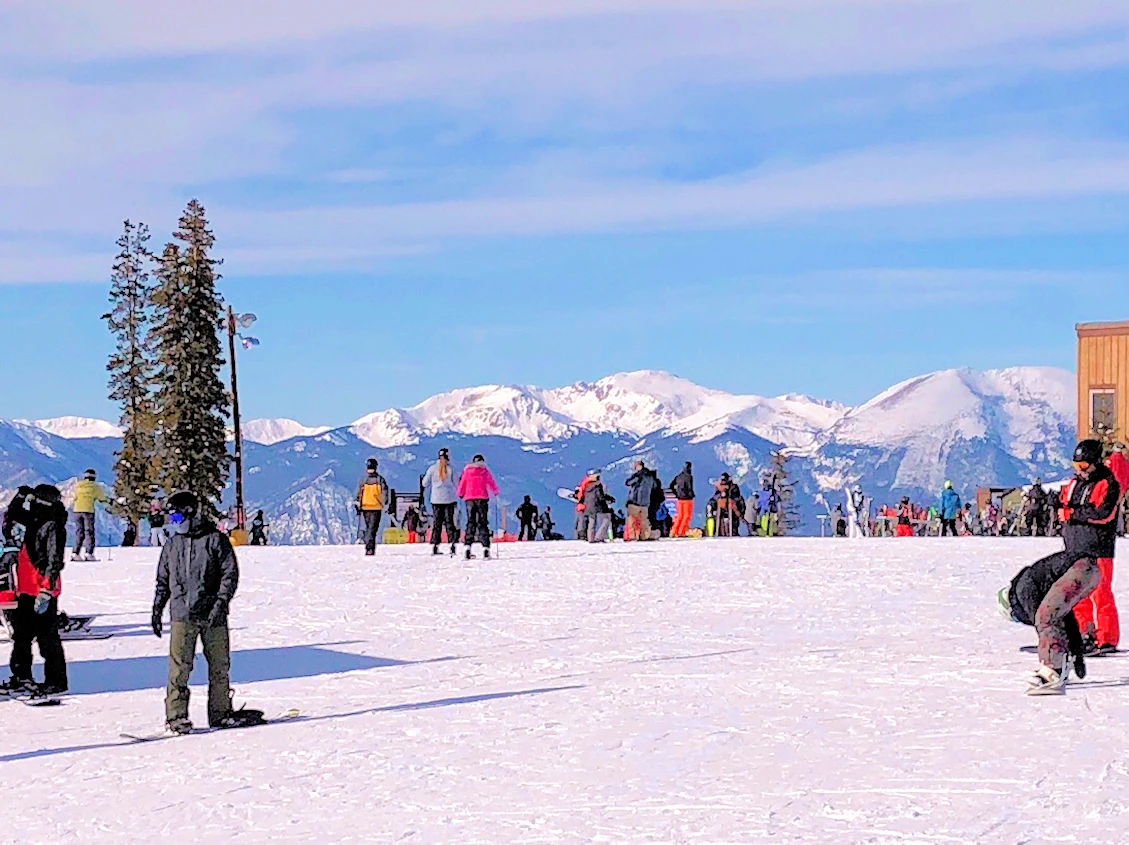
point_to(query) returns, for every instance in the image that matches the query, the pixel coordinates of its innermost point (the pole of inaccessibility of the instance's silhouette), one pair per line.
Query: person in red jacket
(1089, 532)
(39, 583)
(1097, 613)
(476, 486)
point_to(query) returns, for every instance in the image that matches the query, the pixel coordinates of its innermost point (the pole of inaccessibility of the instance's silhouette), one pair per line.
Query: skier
(39, 567)
(199, 573)
(527, 517)
(372, 496)
(905, 518)
(949, 509)
(728, 506)
(1035, 509)
(156, 520)
(1097, 614)
(597, 505)
(753, 514)
(641, 485)
(838, 522)
(87, 493)
(444, 500)
(545, 523)
(683, 488)
(258, 530)
(858, 511)
(1089, 511)
(476, 486)
(411, 523)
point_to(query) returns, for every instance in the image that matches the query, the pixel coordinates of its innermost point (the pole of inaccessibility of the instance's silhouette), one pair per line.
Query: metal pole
(240, 518)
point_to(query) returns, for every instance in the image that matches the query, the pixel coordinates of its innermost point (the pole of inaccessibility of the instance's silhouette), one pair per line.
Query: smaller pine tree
(131, 372)
(778, 478)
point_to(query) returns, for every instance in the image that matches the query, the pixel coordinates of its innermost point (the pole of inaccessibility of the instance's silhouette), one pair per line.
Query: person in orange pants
(683, 488)
(1097, 614)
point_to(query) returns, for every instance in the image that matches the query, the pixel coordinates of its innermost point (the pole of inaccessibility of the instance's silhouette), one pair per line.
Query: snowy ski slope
(701, 691)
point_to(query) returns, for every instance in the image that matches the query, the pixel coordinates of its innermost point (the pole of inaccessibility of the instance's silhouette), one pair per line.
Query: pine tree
(191, 400)
(131, 372)
(778, 477)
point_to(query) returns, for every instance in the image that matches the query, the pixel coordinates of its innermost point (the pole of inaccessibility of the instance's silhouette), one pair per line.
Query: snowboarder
(683, 488)
(87, 494)
(949, 510)
(597, 505)
(199, 573)
(641, 485)
(258, 530)
(476, 486)
(545, 523)
(1097, 613)
(1089, 510)
(440, 477)
(527, 518)
(39, 567)
(372, 496)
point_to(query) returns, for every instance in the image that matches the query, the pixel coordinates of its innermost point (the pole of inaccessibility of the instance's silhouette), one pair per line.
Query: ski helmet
(1088, 452)
(443, 453)
(90, 475)
(371, 464)
(48, 493)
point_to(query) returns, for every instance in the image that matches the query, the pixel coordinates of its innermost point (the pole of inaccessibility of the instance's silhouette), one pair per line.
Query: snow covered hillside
(75, 428)
(695, 691)
(1001, 427)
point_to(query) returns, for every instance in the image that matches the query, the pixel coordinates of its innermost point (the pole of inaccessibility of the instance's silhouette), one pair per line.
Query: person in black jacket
(640, 513)
(1089, 514)
(39, 583)
(199, 573)
(527, 518)
(683, 488)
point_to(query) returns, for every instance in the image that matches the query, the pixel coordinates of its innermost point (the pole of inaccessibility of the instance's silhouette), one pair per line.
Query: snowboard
(1034, 649)
(286, 716)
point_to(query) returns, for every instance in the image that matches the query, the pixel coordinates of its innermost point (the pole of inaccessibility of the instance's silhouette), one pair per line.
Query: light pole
(234, 323)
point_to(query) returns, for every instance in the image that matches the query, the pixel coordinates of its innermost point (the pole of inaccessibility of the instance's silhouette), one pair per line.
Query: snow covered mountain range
(977, 428)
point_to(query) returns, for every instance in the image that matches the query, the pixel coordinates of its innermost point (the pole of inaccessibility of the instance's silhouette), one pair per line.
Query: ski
(40, 702)
(285, 716)
(75, 638)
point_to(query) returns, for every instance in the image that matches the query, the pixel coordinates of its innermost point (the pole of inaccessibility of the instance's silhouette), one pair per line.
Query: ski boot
(468, 554)
(454, 550)
(241, 718)
(434, 551)
(486, 554)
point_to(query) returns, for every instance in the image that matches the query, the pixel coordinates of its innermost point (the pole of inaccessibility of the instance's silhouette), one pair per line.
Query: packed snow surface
(693, 691)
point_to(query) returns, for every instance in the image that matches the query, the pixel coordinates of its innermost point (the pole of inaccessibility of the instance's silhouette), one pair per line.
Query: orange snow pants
(903, 530)
(1099, 609)
(685, 511)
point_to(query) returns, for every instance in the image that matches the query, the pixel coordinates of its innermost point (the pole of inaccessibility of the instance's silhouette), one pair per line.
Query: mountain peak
(74, 428)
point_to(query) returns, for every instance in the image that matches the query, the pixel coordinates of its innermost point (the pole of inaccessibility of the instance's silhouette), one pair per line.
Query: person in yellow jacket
(372, 498)
(87, 493)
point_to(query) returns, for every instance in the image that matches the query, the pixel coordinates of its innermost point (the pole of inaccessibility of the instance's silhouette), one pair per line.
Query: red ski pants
(1099, 609)
(903, 530)
(683, 515)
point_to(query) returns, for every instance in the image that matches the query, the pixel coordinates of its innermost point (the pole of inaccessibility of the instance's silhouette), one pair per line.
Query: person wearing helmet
(87, 494)
(1097, 613)
(440, 477)
(197, 577)
(949, 510)
(372, 496)
(476, 486)
(39, 567)
(1089, 512)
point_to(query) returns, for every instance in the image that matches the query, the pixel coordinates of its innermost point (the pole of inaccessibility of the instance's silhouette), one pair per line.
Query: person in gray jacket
(198, 574)
(440, 477)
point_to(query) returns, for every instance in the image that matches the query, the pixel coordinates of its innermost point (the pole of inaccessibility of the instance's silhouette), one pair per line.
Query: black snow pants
(42, 628)
(372, 527)
(527, 532)
(948, 527)
(478, 522)
(444, 518)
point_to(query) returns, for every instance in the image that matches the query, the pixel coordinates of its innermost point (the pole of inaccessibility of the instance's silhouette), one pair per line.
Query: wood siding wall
(1103, 362)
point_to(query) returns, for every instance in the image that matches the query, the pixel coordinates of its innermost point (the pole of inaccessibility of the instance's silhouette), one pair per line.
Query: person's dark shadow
(392, 708)
(130, 674)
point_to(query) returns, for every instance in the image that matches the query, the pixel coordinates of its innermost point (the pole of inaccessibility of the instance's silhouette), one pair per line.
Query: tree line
(166, 317)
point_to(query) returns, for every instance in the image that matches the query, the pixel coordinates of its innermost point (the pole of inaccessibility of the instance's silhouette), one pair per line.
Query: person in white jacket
(440, 477)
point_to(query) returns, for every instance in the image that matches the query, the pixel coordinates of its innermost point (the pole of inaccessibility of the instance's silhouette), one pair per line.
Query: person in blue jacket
(950, 510)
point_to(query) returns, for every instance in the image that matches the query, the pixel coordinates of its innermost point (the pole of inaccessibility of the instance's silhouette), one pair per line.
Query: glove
(219, 613)
(158, 627)
(43, 601)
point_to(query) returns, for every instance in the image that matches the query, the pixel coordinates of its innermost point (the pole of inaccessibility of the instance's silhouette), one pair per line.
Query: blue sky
(818, 196)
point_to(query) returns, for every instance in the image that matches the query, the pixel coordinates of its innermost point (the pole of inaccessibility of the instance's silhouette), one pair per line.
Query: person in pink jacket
(476, 486)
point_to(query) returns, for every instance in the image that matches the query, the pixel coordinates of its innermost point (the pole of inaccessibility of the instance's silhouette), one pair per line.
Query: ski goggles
(1082, 466)
(177, 517)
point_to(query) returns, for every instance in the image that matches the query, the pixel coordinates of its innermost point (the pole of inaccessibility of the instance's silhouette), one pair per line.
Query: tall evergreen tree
(131, 371)
(778, 476)
(191, 400)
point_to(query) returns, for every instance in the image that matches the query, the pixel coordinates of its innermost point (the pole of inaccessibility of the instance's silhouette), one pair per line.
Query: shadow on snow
(393, 708)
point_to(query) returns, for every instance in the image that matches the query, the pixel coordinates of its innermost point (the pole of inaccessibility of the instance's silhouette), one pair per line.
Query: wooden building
(1103, 379)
